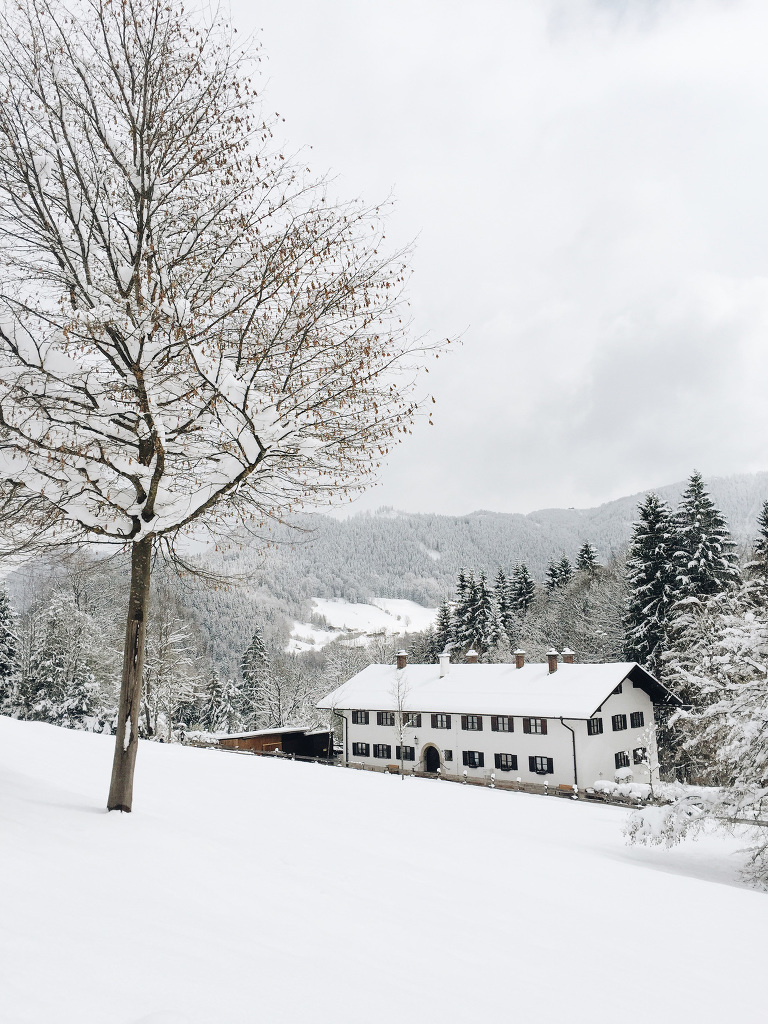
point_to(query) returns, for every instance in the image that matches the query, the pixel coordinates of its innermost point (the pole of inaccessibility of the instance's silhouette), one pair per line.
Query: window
(640, 755)
(618, 688)
(359, 718)
(473, 758)
(361, 750)
(622, 759)
(385, 718)
(535, 725)
(382, 750)
(411, 720)
(637, 719)
(502, 723)
(506, 762)
(541, 765)
(441, 721)
(447, 755)
(619, 722)
(594, 727)
(408, 753)
(473, 723)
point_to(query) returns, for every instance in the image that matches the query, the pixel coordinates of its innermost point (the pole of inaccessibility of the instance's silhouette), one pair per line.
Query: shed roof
(573, 691)
(278, 730)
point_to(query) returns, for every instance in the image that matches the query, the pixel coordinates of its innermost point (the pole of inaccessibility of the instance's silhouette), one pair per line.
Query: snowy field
(250, 889)
(385, 615)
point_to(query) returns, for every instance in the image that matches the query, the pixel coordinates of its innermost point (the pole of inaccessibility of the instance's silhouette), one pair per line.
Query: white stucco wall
(595, 755)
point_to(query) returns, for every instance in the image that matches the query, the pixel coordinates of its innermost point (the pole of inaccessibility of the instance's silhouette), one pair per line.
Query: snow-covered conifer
(221, 704)
(651, 581)
(444, 631)
(502, 592)
(565, 572)
(9, 652)
(254, 668)
(523, 589)
(757, 567)
(464, 629)
(482, 613)
(586, 560)
(552, 576)
(704, 559)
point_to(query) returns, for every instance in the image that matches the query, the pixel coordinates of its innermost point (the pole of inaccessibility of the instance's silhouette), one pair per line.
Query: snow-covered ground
(384, 615)
(251, 889)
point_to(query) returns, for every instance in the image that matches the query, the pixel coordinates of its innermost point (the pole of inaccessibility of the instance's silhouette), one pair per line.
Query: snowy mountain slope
(416, 557)
(383, 615)
(253, 889)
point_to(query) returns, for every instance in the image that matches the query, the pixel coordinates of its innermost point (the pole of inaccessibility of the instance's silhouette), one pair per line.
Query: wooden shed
(293, 739)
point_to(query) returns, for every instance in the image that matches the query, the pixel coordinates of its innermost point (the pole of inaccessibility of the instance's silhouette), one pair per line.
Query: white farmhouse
(564, 723)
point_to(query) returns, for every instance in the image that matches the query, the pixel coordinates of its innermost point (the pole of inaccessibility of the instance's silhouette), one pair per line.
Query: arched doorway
(431, 759)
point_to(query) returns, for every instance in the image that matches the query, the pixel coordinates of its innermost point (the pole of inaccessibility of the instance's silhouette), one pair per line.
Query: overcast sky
(588, 184)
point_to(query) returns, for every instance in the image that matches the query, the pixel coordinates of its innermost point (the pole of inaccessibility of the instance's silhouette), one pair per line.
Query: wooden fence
(490, 781)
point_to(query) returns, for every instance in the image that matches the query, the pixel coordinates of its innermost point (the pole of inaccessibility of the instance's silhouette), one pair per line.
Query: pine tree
(652, 585)
(586, 560)
(523, 589)
(704, 558)
(9, 653)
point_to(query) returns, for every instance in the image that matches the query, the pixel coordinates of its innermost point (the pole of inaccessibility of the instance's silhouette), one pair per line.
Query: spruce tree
(494, 632)
(443, 627)
(565, 572)
(552, 576)
(254, 668)
(586, 560)
(482, 613)
(9, 658)
(523, 589)
(652, 585)
(464, 615)
(704, 559)
(757, 568)
(502, 592)
(221, 705)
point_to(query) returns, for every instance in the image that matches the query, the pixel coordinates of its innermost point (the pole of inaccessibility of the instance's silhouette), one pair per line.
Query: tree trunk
(127, 739)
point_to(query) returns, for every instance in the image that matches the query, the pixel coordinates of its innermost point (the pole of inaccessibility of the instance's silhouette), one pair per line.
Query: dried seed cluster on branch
(190, 330)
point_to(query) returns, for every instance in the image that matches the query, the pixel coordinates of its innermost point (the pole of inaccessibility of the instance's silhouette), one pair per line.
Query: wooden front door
(432, 759)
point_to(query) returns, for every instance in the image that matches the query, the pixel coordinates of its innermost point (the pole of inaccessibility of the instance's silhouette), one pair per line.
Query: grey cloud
(586, 180)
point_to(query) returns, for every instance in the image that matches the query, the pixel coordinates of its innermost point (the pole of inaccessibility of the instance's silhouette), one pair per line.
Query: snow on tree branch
(190, 330)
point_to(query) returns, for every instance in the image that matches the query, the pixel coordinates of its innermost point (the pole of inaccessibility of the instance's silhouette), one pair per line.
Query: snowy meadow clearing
(253, 889)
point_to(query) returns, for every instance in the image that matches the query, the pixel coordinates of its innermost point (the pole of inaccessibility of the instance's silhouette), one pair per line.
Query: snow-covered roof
(277, 730)
(573, 691)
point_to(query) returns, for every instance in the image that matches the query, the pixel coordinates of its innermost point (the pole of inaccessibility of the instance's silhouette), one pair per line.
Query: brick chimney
(445, 662)
(402, 659)
(472, 657)
(519, 658)
(552, 660)
(568, 656)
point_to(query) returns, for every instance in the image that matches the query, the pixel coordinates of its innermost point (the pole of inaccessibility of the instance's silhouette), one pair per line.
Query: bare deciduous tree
(191, 334)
